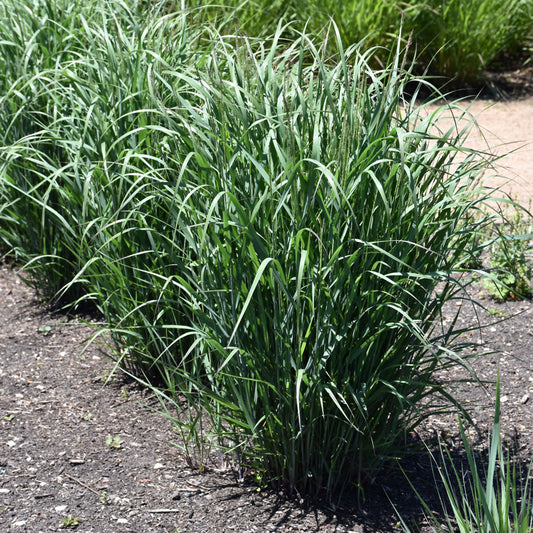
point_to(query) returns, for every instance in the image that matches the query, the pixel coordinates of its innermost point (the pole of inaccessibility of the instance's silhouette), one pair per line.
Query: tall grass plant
(459, 39)
(80, 153)
(270, 234)
(452, 39)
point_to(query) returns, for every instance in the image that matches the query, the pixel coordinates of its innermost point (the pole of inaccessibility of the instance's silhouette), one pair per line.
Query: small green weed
(108, 376)
(70, 522)
(114, 442)
(496, 312)
(104, 498)
(510, 268)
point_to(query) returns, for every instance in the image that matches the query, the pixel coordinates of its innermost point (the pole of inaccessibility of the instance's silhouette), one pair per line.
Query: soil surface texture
(80, 451)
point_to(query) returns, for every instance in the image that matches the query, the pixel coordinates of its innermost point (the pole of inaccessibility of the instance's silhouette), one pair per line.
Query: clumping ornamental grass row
(453, 39)
(270, 233)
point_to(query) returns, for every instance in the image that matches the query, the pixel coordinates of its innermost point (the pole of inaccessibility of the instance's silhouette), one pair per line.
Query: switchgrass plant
(320, 218)
(270, 234)
(375, 23)
(461, 38)
(496, 498)
(453, 39)
(79, 152)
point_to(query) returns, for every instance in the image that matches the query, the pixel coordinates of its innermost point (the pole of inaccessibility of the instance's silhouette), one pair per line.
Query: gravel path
(507, 128)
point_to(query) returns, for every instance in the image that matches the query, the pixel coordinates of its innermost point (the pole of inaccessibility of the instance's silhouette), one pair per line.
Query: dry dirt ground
(75, 453)
(506, 127)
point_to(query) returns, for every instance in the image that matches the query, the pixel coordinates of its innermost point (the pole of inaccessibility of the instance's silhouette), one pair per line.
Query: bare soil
(76, 452)
(505, 129)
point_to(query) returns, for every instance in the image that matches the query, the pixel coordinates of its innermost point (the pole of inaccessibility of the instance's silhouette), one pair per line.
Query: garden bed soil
(78, 450)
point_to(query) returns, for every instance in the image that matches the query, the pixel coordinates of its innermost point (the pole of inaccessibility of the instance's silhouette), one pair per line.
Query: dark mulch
(56, 416)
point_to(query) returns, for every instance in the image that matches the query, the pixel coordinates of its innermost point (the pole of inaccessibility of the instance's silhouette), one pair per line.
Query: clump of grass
(77, 136)
(375, 23)
(454, 39)
(497, 498)
(319, 223)
(271, 235)
(461, 38)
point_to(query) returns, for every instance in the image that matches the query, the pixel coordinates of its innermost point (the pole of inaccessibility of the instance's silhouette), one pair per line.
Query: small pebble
(176, 496)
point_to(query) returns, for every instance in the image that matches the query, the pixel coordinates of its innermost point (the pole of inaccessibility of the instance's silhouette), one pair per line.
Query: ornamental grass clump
(459, 39)
(323, 222)
(80, 153)
(270, 230)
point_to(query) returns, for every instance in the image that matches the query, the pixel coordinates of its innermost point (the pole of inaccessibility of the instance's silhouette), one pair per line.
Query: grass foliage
(466, 36)
(484, 499)
(451, 38)
(270, 235)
